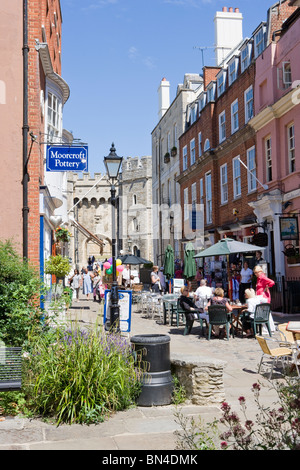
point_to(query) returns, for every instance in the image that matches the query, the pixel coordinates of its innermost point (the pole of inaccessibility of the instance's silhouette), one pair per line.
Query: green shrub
(81, 376)
(20, 290)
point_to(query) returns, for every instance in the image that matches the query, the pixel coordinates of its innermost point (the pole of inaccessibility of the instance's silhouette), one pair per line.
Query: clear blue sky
(114, 55)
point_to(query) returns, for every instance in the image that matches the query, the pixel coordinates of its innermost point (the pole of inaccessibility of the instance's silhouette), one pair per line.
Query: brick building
(33, 94)
(218, 150)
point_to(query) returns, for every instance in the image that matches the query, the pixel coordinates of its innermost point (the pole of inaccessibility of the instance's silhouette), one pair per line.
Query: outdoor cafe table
(170, 302)
(237, 310)
(294, 327)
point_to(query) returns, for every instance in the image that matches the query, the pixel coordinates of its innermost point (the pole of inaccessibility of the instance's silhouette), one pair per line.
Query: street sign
(125, 304)
(68, 158)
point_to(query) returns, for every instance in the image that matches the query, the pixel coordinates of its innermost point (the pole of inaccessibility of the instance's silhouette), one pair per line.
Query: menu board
(125, 305)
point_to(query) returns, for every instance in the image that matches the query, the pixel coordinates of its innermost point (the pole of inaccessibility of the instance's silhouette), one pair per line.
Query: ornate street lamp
(113, 164)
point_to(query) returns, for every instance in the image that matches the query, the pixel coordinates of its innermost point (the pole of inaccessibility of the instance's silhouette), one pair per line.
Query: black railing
(285, 294)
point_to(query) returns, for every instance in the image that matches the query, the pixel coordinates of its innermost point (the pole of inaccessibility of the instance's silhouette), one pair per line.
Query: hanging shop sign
(289, 228)
(59, 158)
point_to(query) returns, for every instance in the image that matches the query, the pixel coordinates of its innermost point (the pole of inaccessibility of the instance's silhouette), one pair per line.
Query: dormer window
(246, 56)
(232, 70)
(211, 92)
(259, 41)
(202, 101)
(221, 82)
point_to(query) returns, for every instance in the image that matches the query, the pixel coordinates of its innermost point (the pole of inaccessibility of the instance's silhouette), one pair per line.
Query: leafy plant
(62, 234)
(273, 429)
(58, 266)
(81, 376)
(20, 290)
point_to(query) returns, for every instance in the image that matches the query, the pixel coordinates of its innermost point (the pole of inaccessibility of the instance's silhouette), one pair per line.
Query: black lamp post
(113, 164)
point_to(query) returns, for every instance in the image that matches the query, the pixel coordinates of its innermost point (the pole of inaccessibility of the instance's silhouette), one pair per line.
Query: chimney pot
(224, 9)
(230, 9)
(236, 10)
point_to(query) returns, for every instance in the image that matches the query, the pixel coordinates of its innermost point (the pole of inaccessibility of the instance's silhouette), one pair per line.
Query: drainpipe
(25, 129)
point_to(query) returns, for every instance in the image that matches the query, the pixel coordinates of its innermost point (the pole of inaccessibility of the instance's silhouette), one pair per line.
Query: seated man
(203, 294)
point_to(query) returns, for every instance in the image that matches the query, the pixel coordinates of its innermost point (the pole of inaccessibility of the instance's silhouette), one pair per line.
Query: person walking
(74, 282)
(87, 287)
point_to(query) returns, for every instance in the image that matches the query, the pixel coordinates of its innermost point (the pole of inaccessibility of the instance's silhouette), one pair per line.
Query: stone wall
(202, 378)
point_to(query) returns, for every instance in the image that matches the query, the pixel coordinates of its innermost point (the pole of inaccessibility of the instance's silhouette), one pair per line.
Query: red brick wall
(40, 12)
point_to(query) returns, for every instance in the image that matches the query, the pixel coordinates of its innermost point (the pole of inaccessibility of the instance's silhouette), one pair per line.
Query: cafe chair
(180, 314)
(261, 317)
(282, 353)
(218, 316)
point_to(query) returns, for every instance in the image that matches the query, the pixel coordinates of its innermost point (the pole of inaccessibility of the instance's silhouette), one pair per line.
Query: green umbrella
(227, 246)
(189, 271)
(169, 262)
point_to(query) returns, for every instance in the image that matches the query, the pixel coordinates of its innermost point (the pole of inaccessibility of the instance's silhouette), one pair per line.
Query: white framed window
(236, 166)
(169, 142)
(193, 113)
(245, 57)
(208, 199)
(175, 135)
(200, 144)
(291, 148)
(268, 158)
(224, 183)
(284, 75)
(232, 70)
(259, 40)
(192, 151)
(201, 191)
(211, 92)
(194, 195)
(251, 174)
(54, 117)
(206, 145)
(234, 116)
(186, 203)
(202, 101)
(184, 157)
(221, 82)
(248, 100)
(222, 127)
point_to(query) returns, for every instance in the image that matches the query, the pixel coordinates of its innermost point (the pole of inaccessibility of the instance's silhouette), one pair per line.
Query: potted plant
(62, 234)
(174, 151)
(167, 157)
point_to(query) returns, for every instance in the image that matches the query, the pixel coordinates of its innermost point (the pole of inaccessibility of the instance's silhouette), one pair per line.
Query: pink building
(277, 126)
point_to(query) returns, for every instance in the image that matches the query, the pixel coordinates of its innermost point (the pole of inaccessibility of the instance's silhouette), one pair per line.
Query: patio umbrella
(133, 259)
(169, 264)
(189, 270)
(227, 246)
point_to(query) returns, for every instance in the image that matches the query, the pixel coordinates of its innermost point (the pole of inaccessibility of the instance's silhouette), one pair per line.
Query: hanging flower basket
(62, 234)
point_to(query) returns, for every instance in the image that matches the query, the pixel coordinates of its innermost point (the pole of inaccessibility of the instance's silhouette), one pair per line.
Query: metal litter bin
(157, 382)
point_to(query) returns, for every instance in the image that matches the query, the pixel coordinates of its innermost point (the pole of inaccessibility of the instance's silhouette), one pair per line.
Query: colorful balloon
(109, 271)
(118, 262)
(110, 260)
(120, 268)
(106, 265)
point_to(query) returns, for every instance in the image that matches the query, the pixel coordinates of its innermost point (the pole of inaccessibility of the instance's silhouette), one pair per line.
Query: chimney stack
(163, 97)
(228, 31)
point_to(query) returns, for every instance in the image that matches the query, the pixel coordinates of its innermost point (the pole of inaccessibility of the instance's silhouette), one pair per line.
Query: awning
(86, 232)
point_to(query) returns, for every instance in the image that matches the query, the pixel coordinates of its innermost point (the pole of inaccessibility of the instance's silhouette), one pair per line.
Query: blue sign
(68, 158)
(125, 305)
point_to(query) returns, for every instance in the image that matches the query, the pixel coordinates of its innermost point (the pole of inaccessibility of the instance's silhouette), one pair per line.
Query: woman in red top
(263, 283)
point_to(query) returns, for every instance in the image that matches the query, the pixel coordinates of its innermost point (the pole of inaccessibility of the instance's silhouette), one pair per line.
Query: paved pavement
(148, 428)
